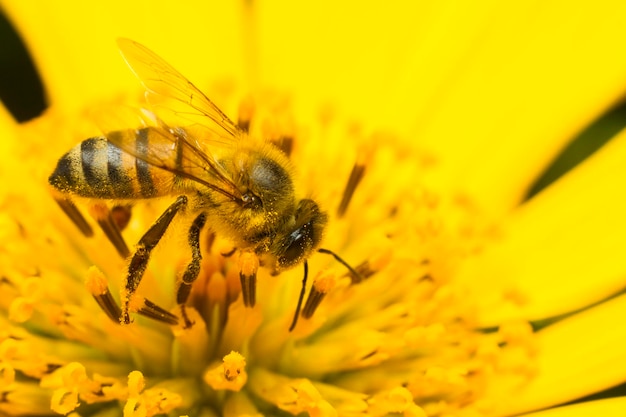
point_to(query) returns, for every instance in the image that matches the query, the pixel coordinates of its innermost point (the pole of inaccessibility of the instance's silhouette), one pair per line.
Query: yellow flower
(452, 110)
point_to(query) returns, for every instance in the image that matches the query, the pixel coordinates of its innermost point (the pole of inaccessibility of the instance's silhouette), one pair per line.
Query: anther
(246, 112)
(356, 175)
(248, 267)
(97, 285)
(285, 144)
(75, 216)
(321, 286)
(120, 215)
(370, 266)
(153, 311)
(229, 253)
(101, 213)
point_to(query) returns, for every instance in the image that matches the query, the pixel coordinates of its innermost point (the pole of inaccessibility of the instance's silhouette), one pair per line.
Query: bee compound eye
(296, 245)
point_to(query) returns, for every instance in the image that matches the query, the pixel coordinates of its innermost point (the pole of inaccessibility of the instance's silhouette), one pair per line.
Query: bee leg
(140, 259)
(193, 268)
(101, 213)
(248, 267)
(74, 214)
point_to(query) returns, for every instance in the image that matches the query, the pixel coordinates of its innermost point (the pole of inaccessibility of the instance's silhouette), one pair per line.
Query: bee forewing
(168, 89)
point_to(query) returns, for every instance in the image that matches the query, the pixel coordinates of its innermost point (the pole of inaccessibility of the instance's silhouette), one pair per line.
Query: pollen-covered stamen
(321, 286)
(356, 175)
(98, 287)
(155, 312)
(70, 209)
(248, 267)
(101, 213)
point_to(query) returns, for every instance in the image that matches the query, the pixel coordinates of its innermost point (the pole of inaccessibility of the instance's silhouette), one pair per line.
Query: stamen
(246, 112)
(293, 395)
(230, 375)
(74, 214)
(68, 382)
(284, 143)
(121, 215)
(97, 285)
(7, 375)
(22, 307)
(248, 267)
(356, 175)
(155, 312)
(101, 213)
(370, 266)
(321, 286)
(20, 310)
(229, 253)
(396, 400)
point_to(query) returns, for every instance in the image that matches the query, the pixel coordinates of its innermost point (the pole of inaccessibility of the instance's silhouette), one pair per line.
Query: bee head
(295, 245)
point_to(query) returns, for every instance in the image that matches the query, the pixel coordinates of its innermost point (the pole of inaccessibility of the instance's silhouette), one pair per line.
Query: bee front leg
(139, 261)
(193, 268)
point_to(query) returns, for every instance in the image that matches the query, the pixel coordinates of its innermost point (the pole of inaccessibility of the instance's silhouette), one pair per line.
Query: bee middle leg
(139, 262)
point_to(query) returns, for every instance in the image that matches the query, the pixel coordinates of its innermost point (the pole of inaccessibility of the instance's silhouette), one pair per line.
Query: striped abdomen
(97, 168)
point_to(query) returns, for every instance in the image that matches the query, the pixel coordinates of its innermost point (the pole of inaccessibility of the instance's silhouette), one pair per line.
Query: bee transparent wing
(143, 135)
(168, 89)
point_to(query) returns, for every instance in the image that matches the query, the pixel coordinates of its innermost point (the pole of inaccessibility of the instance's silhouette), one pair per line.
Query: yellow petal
(494, 89)
(611, 407)
(561, 250)
(575, 357)
(74, 47)
(540, 75)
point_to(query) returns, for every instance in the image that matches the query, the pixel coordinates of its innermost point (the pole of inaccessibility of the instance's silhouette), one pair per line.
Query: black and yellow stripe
(96, 168)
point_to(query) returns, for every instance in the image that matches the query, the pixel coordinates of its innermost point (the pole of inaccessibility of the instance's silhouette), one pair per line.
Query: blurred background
(22, 92)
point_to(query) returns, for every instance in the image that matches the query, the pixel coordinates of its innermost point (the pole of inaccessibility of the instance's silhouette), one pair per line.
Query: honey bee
(186, 147)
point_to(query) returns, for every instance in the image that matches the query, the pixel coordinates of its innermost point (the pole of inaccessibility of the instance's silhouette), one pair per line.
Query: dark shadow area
(589, 141)
(21, 89)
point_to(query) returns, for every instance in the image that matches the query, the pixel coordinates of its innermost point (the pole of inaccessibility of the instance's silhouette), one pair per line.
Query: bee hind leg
(139, 261)
(193, 268)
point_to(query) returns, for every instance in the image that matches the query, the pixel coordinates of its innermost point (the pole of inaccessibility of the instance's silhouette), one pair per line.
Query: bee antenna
(356, 277)
(297, 313)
